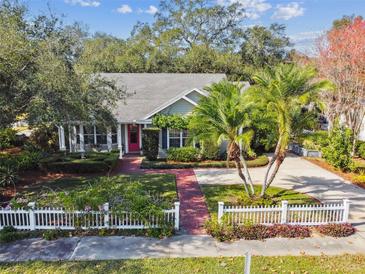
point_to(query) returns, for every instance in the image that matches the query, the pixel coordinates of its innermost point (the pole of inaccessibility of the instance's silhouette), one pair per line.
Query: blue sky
(305, 19)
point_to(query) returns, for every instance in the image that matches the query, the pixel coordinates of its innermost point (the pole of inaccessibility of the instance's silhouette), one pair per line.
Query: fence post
(106, 215)
(346, 211)
(284, 212)
(31, 215)
(247, 269)
(220, 211)
(177, 215)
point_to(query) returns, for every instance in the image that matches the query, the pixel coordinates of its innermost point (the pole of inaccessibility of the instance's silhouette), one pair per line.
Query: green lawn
(289, 264)
(235, 195)
(43, 193)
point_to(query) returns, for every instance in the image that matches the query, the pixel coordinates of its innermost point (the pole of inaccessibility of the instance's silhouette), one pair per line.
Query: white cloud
(84, 3)
(305, 41)
(124, 9)
(253, 8)
(151, 10)
(288, 11)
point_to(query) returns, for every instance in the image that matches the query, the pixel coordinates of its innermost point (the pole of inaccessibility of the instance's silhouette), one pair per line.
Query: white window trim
(181, 138)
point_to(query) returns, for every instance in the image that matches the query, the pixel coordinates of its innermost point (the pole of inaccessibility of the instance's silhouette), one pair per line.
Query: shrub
(72, 163)
(183, 154)
(221, 232)
(150, 140)
(209, 151)
(336, 230)
(24, 161)
(85, 166)
(252, 232)
(8, 176)
(289, 231)
(7, 138)
(45, 138)
(310, 145)
(225, 232)
(8, 234)
(338, 151)
(162, 164)
(53, 234)
(360, 149)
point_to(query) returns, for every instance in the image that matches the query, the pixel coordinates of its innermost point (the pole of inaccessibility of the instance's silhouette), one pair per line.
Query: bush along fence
(53, 218)
(307, 215)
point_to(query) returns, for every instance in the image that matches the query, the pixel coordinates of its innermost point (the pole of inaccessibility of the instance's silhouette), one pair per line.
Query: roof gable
(155, 91)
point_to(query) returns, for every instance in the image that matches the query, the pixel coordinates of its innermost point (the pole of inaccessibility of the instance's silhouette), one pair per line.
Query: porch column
(62, 138)
(74, 138)
(109, 138)
(126, 138)
(69, 138)
(140, 139)
(119, 137)
(95, 138)
(82, 139)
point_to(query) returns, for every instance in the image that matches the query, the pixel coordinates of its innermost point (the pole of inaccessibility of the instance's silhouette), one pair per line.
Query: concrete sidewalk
(113, 248)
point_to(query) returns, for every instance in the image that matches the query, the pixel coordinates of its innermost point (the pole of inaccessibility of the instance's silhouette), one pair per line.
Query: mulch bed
(349, 176)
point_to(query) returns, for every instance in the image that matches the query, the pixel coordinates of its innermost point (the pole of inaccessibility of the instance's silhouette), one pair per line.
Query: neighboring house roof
(155, 91)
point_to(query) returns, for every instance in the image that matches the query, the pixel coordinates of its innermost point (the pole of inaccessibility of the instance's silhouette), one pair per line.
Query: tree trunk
(242, 176)
(235, 153)
(247, 173)
(279, 161)
(271, 163)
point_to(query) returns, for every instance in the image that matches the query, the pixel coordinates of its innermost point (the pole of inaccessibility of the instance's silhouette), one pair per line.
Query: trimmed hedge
(26, 160)
(150, 140)
(183, 154)
(72, 163)
(260, 161)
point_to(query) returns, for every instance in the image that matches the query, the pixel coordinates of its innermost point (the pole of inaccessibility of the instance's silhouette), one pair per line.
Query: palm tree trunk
(247, 173)
(242, 176)
(279, 161)
(271, 163)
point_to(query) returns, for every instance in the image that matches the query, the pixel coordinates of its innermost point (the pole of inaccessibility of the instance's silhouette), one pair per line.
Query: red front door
(133, 138)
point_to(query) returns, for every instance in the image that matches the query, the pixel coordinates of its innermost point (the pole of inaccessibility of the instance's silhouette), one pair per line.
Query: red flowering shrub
(336, 230)
(289, 231)
(251, 232)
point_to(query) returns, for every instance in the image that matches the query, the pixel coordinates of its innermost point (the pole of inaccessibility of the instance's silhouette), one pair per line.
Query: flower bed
(224, 232)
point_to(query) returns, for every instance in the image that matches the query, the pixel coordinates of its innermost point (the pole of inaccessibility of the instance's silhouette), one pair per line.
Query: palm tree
(285, 90)
(224, 116)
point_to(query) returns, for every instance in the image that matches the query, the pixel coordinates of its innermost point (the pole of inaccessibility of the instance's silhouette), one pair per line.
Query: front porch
(126, 137)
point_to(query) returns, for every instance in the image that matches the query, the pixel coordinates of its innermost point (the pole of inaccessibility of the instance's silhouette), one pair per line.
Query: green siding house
(151, 94)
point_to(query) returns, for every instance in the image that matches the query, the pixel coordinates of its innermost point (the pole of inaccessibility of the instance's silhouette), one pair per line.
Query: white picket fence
(286, 214)
(55, 218)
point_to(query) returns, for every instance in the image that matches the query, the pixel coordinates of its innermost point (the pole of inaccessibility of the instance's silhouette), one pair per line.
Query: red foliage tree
(341, 59)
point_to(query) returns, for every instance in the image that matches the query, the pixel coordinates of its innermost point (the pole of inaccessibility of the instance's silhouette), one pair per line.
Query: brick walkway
(193, 209)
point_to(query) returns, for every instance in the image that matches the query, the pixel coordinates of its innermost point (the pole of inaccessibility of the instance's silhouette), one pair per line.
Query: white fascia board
(174, 100)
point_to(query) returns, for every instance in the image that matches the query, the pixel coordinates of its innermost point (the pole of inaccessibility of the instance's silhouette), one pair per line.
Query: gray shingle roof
(154, 89)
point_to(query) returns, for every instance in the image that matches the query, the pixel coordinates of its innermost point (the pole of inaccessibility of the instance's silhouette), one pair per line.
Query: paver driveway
(302, 176)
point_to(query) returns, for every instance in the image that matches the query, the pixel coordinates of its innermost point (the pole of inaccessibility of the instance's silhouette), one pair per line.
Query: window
(178, 138)
(174, 138)
(185, 136)
(88, 135)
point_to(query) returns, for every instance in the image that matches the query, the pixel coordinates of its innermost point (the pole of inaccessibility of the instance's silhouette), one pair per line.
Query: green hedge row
(161, 164)
(72, 163)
